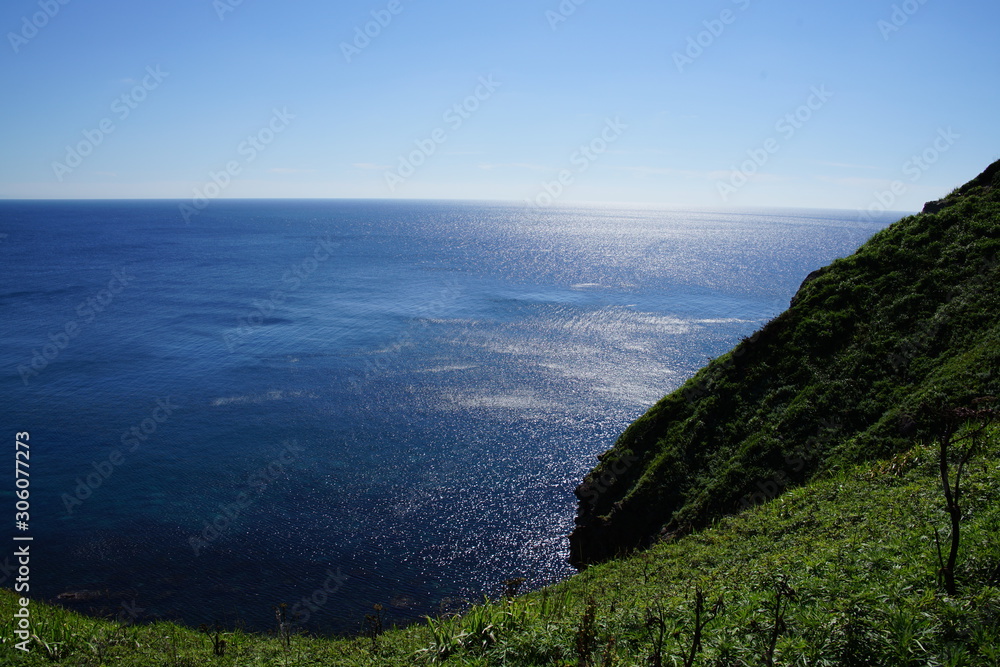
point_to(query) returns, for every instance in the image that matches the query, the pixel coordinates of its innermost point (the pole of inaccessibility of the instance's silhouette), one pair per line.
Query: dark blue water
(391, 400)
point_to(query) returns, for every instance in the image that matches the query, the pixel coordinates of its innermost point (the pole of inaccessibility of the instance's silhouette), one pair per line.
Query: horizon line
(508, 202)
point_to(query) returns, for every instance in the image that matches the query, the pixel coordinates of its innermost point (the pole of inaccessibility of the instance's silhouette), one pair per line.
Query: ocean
(333, 404)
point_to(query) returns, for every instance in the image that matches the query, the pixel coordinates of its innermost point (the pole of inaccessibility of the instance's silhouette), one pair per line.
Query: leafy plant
(586, 635)
(215, 634)
(373, 624)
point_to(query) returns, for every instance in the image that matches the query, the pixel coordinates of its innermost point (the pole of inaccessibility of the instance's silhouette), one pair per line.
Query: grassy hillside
(840, 572)
(909, 320)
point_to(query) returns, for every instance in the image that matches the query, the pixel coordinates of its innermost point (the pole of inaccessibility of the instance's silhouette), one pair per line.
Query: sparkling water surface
(366, 402)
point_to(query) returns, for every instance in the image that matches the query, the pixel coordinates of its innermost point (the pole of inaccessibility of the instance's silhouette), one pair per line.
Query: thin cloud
(370, 165)
(845, 165)
(856, 182)
(759, 176)
(514, 165)
(666, 171)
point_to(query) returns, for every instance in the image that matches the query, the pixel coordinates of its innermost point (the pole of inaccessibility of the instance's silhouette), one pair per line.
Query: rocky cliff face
(840, 377)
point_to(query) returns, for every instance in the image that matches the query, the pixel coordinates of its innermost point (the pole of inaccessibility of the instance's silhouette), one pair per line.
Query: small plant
(480, 628)
(513, 587)
(701, 621)
(56, 637)
(373, 624)
(482, 625)
(647, 560)
(656, 626)
(54, 651)
(608, 657)
(284, 627)
(962, 448)
(782, 593)
(553, 603)
(215, 634)
(447, 636)
(586, 635)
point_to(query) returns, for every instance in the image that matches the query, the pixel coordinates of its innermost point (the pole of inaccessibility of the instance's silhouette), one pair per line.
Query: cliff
(842, 377)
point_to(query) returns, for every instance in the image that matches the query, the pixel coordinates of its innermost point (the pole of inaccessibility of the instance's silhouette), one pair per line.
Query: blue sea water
(350, 402)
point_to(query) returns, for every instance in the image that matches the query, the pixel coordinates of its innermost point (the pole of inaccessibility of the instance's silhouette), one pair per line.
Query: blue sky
(727, 103)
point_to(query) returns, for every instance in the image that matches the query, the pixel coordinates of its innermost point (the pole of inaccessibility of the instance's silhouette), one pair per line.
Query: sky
(856, 104)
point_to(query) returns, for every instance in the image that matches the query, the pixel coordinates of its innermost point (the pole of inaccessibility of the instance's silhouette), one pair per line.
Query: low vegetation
(844, 571)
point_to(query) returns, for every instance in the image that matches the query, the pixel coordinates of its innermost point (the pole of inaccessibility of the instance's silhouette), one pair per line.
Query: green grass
(856, 548)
